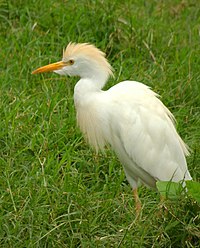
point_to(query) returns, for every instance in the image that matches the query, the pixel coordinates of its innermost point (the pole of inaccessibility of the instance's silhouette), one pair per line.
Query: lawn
(54, 190)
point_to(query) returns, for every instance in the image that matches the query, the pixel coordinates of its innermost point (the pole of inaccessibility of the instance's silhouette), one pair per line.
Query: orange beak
(50, 67)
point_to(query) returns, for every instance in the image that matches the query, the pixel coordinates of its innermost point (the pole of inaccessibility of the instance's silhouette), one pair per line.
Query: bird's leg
(138, 205)
(162, 209)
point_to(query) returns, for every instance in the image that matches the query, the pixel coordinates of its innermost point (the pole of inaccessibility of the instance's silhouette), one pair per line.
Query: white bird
(129, 117)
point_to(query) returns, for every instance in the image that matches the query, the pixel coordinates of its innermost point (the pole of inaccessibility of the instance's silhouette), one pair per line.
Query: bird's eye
(71, 61)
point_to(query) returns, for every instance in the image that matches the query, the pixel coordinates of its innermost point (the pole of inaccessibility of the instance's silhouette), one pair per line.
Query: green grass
(54, 191)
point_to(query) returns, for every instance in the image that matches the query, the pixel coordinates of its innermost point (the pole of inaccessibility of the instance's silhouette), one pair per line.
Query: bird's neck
(88, 86)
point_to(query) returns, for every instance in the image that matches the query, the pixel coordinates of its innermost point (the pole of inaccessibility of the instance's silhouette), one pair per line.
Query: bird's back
(142, 133)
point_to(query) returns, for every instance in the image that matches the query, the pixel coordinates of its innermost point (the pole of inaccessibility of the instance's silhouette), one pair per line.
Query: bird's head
(84, 60)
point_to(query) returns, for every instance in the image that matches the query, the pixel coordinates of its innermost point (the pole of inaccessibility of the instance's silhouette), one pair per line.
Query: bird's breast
(91, 125)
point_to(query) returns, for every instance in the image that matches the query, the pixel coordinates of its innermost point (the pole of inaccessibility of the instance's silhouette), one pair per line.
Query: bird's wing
(142, 128)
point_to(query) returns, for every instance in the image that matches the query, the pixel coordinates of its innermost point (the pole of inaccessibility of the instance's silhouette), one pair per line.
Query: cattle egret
(129, 117)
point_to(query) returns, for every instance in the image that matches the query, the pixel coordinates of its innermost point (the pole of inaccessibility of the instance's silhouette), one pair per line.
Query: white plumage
(129, 116)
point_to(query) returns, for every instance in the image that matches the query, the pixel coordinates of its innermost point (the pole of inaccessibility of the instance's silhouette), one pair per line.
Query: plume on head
(90, 52)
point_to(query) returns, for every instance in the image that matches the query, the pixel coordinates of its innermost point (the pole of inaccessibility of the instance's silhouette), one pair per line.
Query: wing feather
(145, 137)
